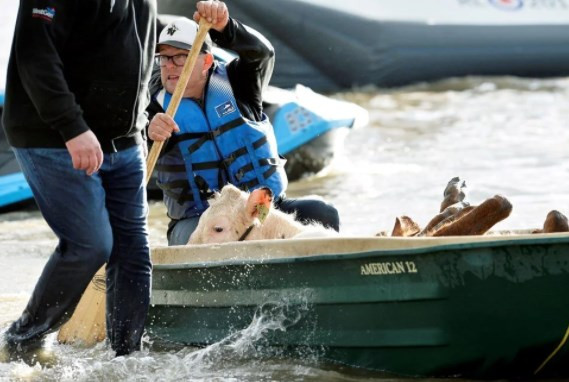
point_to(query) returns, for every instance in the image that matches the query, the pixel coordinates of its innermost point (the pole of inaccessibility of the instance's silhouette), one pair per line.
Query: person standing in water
(74, 114)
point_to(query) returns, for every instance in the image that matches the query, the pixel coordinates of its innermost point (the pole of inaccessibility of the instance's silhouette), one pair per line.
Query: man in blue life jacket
(220, 134)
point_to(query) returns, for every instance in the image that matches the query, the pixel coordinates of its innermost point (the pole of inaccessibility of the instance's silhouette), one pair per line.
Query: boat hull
(482, 309)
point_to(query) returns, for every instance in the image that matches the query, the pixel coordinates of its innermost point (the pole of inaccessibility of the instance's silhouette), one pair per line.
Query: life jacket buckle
(226, 162)
(239, 175)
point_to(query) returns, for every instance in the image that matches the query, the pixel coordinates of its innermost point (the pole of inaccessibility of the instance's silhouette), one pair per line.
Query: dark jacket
(77, 65)
(248, 74)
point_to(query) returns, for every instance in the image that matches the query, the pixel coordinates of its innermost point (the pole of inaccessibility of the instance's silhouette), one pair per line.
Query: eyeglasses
(178, 59)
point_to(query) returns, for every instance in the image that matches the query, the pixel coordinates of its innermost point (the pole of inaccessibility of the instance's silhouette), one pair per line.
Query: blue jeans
(179, 231)
(97, 219)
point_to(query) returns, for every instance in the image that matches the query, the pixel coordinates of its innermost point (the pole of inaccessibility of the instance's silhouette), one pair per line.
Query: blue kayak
(14, 189)
(13, 186)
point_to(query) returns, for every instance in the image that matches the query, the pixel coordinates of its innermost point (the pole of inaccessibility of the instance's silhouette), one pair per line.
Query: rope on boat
(554, 352)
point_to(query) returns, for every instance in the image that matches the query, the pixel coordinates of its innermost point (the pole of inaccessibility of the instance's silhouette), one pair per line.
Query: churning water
(502, 135)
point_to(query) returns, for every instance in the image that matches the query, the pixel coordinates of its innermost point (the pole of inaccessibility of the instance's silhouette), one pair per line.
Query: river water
(502, 135)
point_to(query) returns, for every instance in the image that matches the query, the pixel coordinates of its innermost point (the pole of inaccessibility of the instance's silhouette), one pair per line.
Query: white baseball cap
(181, 33)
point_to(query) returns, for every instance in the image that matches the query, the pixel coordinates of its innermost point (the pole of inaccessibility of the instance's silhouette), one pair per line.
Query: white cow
(235, 215)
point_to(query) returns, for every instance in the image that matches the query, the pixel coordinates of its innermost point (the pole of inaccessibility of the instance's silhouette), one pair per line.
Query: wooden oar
(87, 325)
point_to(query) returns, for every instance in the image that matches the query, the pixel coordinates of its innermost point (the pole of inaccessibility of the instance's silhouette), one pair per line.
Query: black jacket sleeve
(250, 73)
(42, 28)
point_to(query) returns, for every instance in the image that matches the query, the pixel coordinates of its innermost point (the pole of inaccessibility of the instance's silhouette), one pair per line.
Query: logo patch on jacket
(45, 13)
(224, 109)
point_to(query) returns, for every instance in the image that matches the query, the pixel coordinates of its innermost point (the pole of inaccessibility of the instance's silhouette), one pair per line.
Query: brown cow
(457, 217)
(555, 221)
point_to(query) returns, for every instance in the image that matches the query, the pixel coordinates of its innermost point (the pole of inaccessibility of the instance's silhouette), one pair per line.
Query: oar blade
(87, 325)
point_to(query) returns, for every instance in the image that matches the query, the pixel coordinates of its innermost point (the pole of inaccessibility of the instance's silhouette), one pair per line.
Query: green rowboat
(494, 306)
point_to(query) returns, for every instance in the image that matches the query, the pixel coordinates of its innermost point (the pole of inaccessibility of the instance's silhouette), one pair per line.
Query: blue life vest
(214, 148)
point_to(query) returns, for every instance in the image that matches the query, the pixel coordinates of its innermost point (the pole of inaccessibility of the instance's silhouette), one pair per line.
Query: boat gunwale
(431, 245)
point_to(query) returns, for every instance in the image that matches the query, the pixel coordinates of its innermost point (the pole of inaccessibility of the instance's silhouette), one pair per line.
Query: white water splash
(227, 360)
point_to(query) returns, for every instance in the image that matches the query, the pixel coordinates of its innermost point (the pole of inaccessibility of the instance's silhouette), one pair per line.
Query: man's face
(170, 73)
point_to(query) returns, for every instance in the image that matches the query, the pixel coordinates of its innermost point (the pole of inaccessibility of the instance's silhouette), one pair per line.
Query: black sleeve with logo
(42, 29)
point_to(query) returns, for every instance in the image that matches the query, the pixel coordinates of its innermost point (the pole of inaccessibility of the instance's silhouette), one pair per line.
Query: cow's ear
(259, 203)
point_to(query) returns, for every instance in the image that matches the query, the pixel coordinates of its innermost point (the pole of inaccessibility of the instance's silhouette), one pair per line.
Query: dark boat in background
(330, 45)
